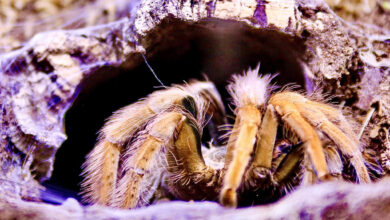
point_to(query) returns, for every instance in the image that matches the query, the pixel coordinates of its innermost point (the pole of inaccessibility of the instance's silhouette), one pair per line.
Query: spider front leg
(247, 121)
(249, 94)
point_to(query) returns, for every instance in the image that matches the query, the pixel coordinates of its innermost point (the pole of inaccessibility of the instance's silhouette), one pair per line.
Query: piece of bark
(40, 81)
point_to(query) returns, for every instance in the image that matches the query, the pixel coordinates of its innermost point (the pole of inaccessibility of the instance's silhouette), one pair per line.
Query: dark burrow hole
(177, 52)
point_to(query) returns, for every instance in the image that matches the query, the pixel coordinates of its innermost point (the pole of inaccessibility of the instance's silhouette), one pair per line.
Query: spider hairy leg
(260, 172)
(289, 165)
(125, 122)
(102, 163)
(215, 111)
(100, 167)
(266, 140)
(327, 120)
(141, 158)
(348, 147)
(336, 117)
(190, 178)
(291, 116)
(249, 92)
(309, 175)
(230, 144)
(334, 161)
(250, 119)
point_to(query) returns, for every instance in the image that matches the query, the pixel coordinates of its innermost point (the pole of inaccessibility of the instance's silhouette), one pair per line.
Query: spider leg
(281, 150)
(189, 177)
(141, 159)
(100, 171)
(291, 116)
(100, 168)
(333, 159)
(266, 140)
(336, 117)
(231, 143)
(347, 146)
(249, 93)
(125, 122)
(309, 176)
(215, 110)
(260, 170)
(248, 122)
(289, 165)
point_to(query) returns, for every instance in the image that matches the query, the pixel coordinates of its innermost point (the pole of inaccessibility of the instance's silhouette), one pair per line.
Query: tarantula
(156, 142)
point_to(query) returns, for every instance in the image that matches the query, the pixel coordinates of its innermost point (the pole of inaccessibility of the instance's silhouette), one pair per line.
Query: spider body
(156, 142)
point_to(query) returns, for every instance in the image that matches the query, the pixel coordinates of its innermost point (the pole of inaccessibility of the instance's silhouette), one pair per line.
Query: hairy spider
(156, 143)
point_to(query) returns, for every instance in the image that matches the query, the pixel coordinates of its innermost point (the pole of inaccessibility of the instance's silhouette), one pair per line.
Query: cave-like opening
(177, 51)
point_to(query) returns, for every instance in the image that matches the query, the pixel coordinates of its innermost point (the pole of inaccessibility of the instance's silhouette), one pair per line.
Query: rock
(335, 200)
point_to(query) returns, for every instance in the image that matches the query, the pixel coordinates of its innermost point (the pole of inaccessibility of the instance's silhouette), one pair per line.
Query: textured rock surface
(40, 80)
(20, 20)
(39, 83)
(335, 200)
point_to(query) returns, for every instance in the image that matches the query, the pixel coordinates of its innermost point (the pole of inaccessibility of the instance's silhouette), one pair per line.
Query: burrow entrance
(177, 51)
